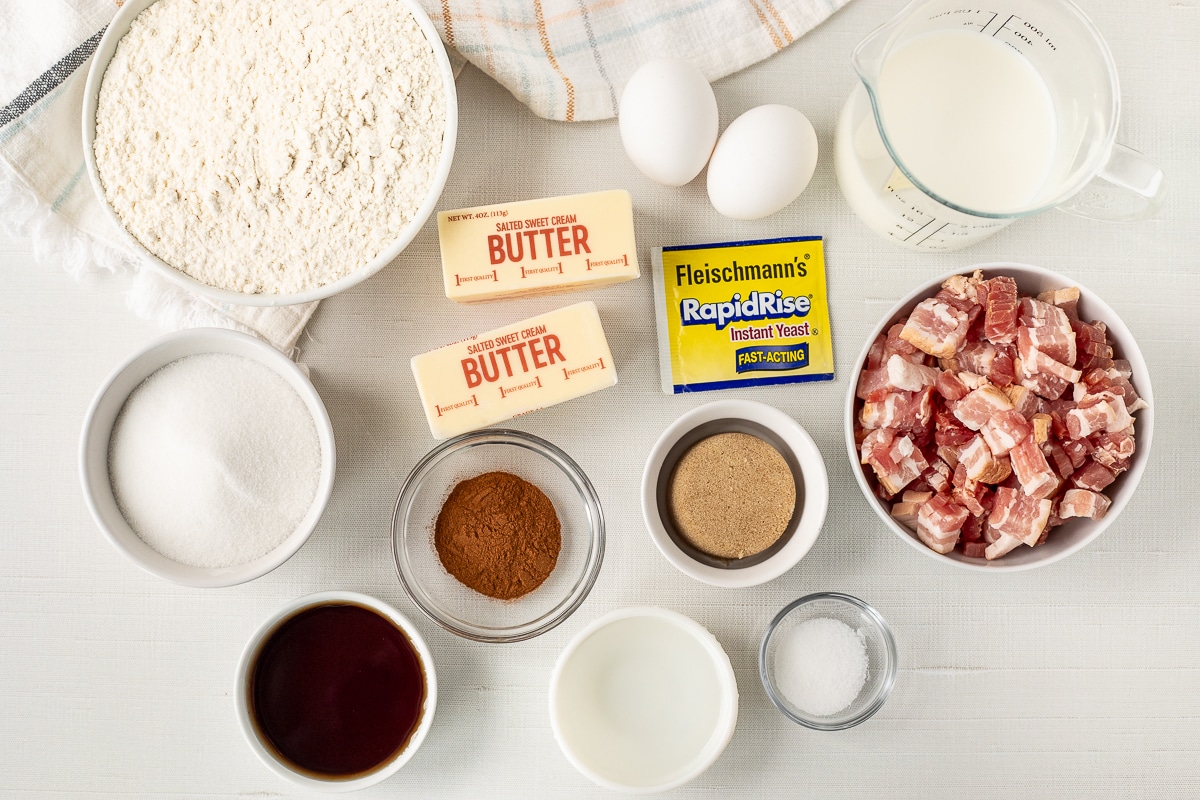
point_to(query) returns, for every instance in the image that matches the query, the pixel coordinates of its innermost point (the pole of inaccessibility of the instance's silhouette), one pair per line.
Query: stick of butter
(533, 247)
(513, 370)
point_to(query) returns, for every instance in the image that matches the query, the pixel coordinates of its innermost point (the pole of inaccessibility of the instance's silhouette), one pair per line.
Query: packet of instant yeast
(736, 314)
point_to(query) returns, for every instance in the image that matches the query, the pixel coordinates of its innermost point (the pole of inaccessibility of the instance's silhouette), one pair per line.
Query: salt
(821, 666)
(214, 460)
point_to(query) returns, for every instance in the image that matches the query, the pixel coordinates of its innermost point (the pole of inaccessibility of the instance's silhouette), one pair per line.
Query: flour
(270, 146)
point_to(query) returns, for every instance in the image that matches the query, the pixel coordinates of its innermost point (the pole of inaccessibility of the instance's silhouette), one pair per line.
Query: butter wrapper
(736, 314)
(537, 247)
(509, 371)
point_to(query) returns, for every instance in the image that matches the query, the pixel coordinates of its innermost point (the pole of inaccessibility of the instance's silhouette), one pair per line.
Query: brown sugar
(498, 534)
(731, 495)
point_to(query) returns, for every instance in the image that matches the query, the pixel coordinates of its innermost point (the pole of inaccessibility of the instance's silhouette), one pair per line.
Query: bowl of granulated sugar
(207, 458)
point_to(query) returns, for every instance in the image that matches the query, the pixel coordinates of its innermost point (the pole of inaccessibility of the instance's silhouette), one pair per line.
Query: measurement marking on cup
(934, 233)
(918, 230)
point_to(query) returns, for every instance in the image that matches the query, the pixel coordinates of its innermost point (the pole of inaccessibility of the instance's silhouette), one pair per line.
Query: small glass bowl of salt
(828, 661)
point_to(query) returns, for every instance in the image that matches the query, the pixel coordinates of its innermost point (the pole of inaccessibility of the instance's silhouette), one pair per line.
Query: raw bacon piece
(937, 475)
(875, 357)
(975, 549)
(976, 408)
(1102, 412)
(948, 431)
(872, 384)
(908, 376)
(1067, 299)
(950, 386)
(981, 464)
(1004, 430)
(1077, 450)
(1037, 357)
(1000, 316)
(1019, 516)
(1030, 466)
(935, 328)
(1058, 458)
(1057, 344)
(894, 345)
(1083, 503)
(908, 411)
(1023, 399)
(1094, 477)
(1043, 384)
(1113, 450)
(896, 461)
(938, 523)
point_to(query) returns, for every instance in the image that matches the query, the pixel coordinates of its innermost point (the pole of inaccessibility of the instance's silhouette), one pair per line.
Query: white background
(1076, 680)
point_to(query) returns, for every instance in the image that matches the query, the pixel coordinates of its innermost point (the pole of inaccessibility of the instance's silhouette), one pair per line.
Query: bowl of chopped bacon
(1001, 417)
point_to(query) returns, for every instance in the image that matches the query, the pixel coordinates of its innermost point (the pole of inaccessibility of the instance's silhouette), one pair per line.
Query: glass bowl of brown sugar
(498, 535)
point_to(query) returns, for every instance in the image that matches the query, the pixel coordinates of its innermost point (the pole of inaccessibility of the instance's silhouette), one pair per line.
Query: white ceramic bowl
(243, 703)
(643, 700)
(785, 435)
(104, 53)
(1074, 534)
(97, 429)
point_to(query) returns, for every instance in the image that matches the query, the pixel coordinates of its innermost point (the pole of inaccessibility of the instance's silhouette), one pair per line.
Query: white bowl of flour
(270, 152)
(207, 458)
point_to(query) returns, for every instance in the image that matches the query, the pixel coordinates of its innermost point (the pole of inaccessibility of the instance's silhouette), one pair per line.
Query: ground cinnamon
(498, 534)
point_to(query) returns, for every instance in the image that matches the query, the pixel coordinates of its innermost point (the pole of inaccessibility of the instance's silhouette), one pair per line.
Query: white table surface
(1077, 680)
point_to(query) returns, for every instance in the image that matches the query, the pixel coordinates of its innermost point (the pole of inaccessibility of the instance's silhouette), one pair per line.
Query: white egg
(764, 160)
(668, 120)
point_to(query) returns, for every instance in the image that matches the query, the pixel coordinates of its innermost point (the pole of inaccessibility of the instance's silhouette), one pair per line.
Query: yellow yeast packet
(737, 314)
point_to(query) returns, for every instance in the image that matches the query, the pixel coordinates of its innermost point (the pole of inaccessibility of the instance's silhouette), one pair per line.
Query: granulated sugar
(214, 460)
(270, 146)
(821, 666)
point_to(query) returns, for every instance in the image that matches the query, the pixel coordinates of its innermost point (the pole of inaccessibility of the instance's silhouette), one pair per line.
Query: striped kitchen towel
(565, 59)
(568, 59)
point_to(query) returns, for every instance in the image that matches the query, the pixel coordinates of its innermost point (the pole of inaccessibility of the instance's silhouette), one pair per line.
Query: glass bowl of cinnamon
(498, 535)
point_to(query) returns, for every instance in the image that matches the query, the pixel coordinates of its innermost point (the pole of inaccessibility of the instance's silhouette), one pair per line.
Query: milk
(970, 118)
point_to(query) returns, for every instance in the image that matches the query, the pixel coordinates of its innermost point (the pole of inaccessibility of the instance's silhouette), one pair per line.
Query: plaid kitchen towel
(565, 59)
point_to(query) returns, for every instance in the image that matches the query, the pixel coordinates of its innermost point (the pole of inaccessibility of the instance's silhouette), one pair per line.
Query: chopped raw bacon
(1023, 399)
(938, 522)
(965, 418)
(1004, 430)
(981, 464)
(896, 461)
(894, 345)
(975, 549)
(1030, 466)
(1000, 317)
(1043, 384)
(1061, 462)
(905, 411)
(1113, 449)
(1083, 503)
(1020, 516)
(935, 328)
(1094, 476)
(1067, 299)
(1057, 344)
(977, 408)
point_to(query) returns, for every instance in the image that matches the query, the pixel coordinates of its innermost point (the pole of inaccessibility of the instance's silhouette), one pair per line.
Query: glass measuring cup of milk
(969, 117)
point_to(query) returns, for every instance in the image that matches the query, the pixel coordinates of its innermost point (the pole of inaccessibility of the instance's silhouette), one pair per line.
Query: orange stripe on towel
(545, 37)
(775, 40)
(774, 12)
(446, 20)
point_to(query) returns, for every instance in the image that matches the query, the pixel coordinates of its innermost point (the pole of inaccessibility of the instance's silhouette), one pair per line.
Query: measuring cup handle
(1129, 187)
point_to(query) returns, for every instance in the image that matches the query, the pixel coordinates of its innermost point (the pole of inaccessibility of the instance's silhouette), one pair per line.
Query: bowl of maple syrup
(335, 691)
